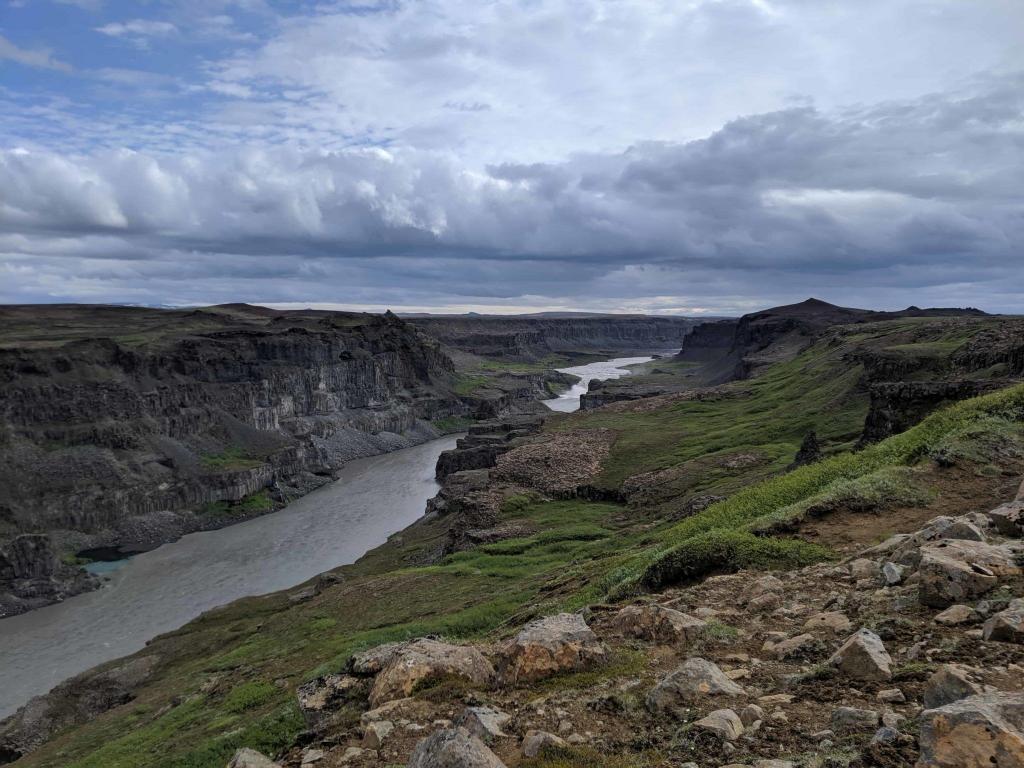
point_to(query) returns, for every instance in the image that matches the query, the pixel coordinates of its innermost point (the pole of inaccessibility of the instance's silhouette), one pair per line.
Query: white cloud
(138, 31)
(38, 57)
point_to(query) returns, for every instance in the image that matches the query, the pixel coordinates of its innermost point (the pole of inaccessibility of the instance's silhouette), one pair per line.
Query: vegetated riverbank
(229, 680)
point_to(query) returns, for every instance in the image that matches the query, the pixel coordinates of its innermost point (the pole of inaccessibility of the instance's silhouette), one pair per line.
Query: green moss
(252, 504)
(451, 424)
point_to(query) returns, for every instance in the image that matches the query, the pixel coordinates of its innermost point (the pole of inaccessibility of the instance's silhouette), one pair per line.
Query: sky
(662, 156)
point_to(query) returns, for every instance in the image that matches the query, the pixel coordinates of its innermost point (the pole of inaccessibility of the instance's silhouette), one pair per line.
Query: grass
(466, 384)
(451, 424)
(212, 692)
(229, 460)
(254, 503)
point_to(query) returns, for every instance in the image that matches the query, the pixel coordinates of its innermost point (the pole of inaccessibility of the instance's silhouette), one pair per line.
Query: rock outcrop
(560, 643)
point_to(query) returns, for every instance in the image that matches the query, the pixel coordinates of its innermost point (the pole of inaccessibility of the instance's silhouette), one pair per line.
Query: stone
(369, 662)
(956, 614)
(862, 568)
(376, 732)
(892, 574)
(318, 698)
(885, 735)
(863, 657)
(311, 756)
(424, 660)
(559, 643)
(723, 722)
(949, 683)
(984, 731)
(769, 601)
(891, 696)
(835, 621)
(535, 742)
(453, 748)
(774, 764)
(250, 758)
(1007, 626)
(485, 723)
(659, 624)
(352, 753)
(690, 682)
(1008, 519)
(750, 714)
(892, 719)
(955, 571)
(852, 719)
(761, 586)
(794, 646)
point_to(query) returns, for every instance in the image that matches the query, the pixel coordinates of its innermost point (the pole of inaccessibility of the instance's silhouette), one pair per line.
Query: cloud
(898, 202)
(39, 57)
(138, 31)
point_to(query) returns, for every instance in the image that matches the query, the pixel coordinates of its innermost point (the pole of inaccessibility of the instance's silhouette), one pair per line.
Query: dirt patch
(557, 463)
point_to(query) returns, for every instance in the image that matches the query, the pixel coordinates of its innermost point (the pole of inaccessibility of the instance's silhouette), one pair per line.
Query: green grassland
(228, 678)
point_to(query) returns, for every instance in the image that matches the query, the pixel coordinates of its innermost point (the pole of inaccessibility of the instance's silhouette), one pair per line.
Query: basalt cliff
(123, 428)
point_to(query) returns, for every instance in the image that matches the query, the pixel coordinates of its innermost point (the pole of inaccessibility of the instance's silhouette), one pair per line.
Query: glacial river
(161, 590)
(604, 369)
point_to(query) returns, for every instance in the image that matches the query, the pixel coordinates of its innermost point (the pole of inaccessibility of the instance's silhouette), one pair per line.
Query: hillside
(678, 502)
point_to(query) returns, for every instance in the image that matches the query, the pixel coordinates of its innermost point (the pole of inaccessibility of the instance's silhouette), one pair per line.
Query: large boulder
(659, 624)
(535, 742)
(425, 660)
(951, 682)
(548, 646)
(1007, 625)
(373, 660)
(956, 571)
(1008, 519)
(724, 723)
(486, 723)
(984, 731)
(863, 657)
(693, 680)
(453, 748)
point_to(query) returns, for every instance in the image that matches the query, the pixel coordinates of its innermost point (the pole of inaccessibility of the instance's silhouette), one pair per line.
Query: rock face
(560, 643)
(453, 748)
(73, 702)
(153, 423)
(985, 731)
(425, 660)
(31, 575)
(951, 682)
(694, 679)
(530, 338)
(954, 570)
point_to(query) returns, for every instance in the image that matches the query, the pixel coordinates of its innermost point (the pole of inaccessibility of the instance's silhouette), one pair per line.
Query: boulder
(424, 660)
(835, 621)
(863, 657)
(957, 614)
(376, 733)
(485, 723)
(760, 586)
(949, 683)
(722, 722)
(659, 624)
(369, 662)
(851, 720)
(691, 681)
(1008, 519)
(863, 568)
(774, 764)
(892, 574)
(318, 698)
(1008, 625)
(535, 742)
(794, 646)
(984, 731)
(250, 758)
(560, 643)
(453, 748)
(750, 714)
(957, 571)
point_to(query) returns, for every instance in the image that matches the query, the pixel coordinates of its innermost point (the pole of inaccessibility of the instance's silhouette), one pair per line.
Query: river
(604, 369)
(161, 590)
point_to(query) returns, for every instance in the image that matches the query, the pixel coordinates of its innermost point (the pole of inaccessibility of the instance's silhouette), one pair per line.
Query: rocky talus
(909, 653)
(163, 422)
